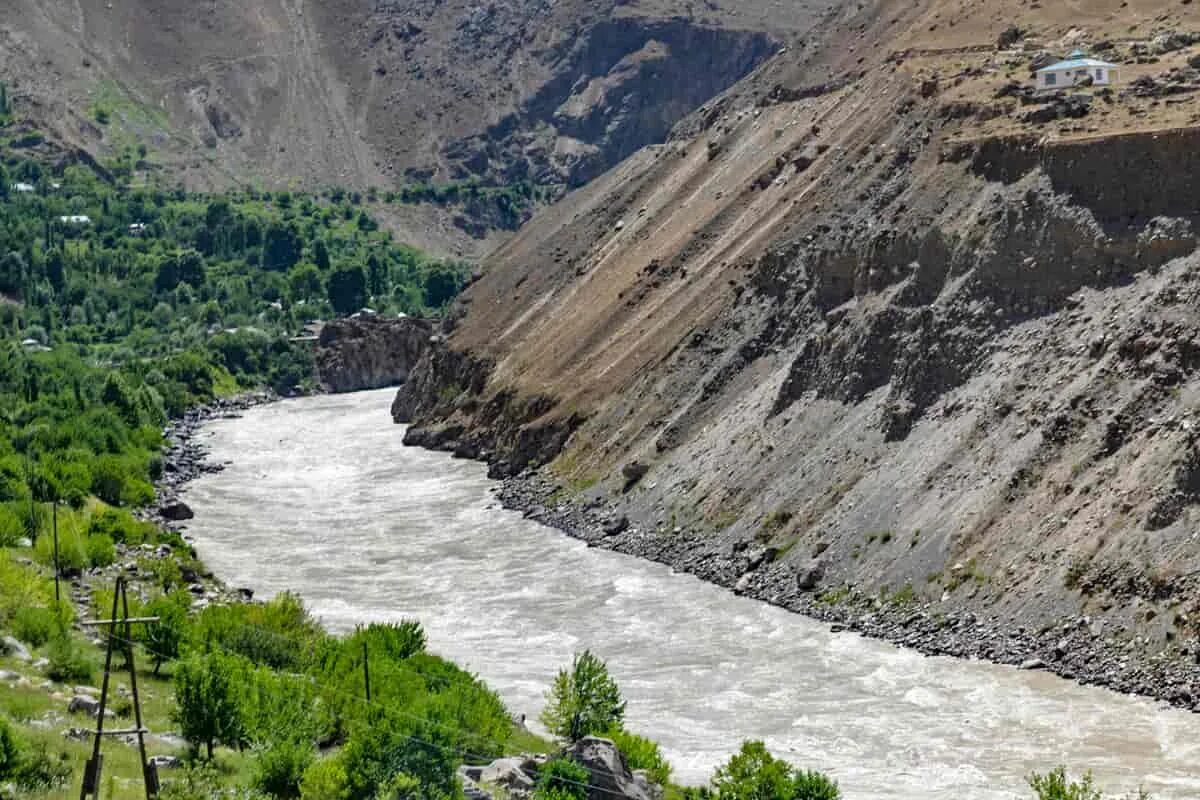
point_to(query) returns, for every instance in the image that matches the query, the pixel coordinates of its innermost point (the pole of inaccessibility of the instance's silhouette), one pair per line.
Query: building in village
(1076, 70)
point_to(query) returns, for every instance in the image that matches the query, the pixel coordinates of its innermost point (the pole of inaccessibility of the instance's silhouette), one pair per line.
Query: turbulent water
(321, 497)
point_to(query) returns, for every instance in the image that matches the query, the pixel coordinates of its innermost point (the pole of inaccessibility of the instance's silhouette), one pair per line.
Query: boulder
(508, 774)
(177, 511)
(82, 704)
(616, 526)
(633, 472)
(8, 676)
(611, 778)
(810, 575)
(14, 648)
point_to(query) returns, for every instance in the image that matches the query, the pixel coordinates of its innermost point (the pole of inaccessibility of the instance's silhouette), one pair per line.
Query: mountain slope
(867, 322)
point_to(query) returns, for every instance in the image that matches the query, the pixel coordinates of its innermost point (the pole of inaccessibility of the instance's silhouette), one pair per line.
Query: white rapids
(321, 497)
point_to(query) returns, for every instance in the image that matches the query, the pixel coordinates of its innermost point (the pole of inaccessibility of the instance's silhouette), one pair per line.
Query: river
(321, 497)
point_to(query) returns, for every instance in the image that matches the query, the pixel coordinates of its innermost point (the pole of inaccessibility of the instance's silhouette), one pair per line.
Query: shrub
(10, 750)
(72, 550)
(68, 662)
(120, 526)
(101, 550)
(34, 625)
(12, 528)
(583, 701)
(164, 639)
(396, 641)
(38, 770)
(279, 768)
(641, 753)
(561, 779)
(325, 780)
(754, 773)
(1055, 786)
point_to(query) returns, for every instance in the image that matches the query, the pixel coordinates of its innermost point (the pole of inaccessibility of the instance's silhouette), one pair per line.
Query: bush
(10, 750)
(68, 663)
(72, 550)
(164, 639)
(1055, 786)
(120, 526)
(279, 768)
(641, 753)
(325, 780)
(561, 779)
(101, 550)
(754, 773)
(34, 625)
(583, 701)
(38, 771)
(12, 528)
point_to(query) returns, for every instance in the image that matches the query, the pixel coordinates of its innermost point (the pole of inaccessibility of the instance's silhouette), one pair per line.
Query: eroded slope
(834, 335)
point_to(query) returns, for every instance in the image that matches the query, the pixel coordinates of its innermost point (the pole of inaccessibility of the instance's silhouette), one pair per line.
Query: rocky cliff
(864, 334)
(370, 352)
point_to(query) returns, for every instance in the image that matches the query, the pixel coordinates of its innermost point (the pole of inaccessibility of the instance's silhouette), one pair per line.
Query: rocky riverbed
(185, 459)
(1076, 649)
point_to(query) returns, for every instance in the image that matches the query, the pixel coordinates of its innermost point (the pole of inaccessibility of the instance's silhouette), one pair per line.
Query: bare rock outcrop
(370, 352)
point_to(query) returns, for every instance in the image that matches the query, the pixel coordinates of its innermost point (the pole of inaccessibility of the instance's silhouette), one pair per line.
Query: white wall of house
(1066, 78)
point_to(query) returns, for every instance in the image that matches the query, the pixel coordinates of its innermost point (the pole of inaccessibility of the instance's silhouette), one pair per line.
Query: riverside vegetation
(160, 301)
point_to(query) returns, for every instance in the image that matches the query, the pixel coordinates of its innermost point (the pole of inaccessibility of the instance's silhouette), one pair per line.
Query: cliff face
(842, 333)
(370, 352)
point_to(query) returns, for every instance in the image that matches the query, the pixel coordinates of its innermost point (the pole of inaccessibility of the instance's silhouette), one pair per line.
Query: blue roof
(1077, 60)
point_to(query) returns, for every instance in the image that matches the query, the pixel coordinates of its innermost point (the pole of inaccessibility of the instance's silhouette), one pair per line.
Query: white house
(76, 219)
(1076, 69)
(24, 188)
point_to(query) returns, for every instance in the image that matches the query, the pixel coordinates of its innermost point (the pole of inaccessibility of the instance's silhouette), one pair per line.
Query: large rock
(370, 352)
(177, 511)
(11, 646)
(82, 704)
(611, 777)
(509, 774)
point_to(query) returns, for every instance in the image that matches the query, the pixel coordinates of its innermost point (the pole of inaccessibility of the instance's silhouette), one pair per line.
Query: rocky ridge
(369, 351)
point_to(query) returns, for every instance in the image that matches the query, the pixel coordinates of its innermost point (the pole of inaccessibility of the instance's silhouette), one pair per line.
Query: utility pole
(366, 669)
(118, 629)
(57, 570)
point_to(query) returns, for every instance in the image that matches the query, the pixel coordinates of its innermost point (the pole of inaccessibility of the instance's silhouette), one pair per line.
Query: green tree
(164, 639)
(56, 270)
(584, 700)
(321, 255)
(208, 710)
(304, 281)
(281, 247)
(442, 283)
(754, 774)
(376, 275)
(347, 289)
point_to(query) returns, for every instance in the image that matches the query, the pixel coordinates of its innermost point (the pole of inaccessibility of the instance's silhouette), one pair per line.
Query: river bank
(184, 459)
(375, 531)
(1071, 650)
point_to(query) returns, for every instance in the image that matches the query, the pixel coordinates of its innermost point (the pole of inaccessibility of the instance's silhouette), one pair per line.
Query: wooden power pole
(119, 630)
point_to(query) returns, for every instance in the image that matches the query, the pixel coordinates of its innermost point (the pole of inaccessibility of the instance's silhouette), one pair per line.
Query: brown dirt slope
(838, 331)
